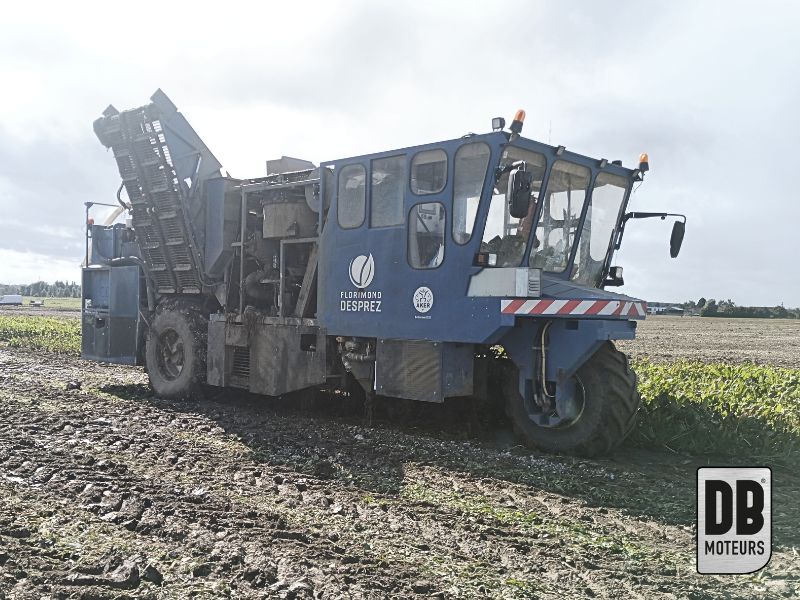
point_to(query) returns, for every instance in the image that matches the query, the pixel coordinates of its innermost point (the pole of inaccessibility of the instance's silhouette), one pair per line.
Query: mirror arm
(618, 240)
(507, 168)
(640, 215)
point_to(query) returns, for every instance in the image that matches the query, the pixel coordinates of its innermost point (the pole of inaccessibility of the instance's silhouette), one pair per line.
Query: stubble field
(773, 342)
(107, 491)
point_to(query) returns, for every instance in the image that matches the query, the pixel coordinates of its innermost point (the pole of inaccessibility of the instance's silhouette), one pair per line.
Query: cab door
(397, 247)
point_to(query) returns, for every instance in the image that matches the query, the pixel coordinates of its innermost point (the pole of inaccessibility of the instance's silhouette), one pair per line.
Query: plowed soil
(762, 341)
(109, 492)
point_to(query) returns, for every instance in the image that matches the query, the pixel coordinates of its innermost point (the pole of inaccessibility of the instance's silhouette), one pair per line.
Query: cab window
(426, 226)
(602, 215)
(428, 172)
(351, 196)
(504, 235)
(567, 189)
(388, 183)
(469, 168)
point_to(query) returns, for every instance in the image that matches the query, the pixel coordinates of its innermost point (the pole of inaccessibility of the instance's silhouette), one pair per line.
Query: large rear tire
(610, 403)
(175, 353)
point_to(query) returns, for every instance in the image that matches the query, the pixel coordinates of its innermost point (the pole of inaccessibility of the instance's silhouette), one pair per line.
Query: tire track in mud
(99, 489)
(93, 465)
(107, 491)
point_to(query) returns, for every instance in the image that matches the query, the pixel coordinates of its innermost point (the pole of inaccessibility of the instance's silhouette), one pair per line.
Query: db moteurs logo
(734, 519)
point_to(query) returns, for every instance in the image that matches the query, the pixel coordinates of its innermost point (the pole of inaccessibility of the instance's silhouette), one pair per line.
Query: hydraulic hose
(119, 197)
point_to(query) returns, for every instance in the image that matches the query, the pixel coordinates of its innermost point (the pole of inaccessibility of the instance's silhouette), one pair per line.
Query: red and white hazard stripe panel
(635, 309)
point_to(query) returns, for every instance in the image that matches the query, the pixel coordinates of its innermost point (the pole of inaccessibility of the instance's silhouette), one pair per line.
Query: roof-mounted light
(516, 124)
(644, 162)
(498, 124)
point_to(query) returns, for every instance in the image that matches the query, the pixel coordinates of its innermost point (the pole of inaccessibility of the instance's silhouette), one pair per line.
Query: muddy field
(762, 341)
(107, 492)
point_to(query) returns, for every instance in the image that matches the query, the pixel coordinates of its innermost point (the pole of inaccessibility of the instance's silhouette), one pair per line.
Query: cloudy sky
(710, 90)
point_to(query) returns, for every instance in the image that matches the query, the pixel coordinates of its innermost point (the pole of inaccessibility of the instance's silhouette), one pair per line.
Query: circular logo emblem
(423, 299)
(362, 270)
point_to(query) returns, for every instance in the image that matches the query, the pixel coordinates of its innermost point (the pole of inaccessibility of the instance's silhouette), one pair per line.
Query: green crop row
(41, 333)
(743, 410)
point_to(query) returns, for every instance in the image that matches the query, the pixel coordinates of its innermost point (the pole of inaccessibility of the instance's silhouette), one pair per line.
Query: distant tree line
(42, 289)
(728, 308)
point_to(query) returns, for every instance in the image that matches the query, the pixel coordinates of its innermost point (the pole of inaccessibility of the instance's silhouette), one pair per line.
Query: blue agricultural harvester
(392, 271)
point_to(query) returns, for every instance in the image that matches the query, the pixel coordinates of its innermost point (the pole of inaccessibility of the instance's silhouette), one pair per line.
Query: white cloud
(708, 89)
(27, 267)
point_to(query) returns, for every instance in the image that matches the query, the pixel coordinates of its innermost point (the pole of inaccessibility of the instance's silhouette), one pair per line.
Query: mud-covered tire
(609, 413)
(177, 334)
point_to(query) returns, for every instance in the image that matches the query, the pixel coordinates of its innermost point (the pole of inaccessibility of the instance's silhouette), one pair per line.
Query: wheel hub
(560, 410)
(171, 356)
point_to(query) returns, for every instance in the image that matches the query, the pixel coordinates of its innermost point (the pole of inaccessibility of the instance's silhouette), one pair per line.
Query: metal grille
(240, 370)
(534, 283)
(410, 369)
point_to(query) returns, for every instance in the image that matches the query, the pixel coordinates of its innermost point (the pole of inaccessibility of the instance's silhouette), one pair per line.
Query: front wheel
(608, 401)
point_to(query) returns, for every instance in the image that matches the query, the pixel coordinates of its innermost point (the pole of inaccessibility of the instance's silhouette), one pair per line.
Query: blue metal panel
(553, 286)
(570, 344)
(218, 250)
(106, 243)
(395, 281)
(96, 288)
(191, 158)
(111, 328)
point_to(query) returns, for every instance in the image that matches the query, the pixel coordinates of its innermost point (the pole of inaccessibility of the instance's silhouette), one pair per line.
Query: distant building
(664, 308)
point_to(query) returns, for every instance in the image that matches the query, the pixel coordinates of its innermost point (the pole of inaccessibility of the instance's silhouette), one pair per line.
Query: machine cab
(419, 242)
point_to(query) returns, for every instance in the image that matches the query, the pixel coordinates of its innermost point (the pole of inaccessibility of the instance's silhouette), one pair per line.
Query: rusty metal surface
(286, 358)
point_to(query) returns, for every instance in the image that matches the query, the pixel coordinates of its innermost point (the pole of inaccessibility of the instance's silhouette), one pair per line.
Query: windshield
(504, 235)
(554, 218)
(560, 217)
(601, 220)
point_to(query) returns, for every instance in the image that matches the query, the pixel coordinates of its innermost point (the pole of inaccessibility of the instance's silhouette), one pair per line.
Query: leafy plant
(744, 409)
(41, 333)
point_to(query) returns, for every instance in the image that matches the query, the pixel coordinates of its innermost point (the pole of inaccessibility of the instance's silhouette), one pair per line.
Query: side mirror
(518, 194)
(676, 239)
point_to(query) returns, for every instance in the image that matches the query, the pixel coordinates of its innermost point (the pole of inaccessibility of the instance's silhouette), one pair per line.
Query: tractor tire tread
(609, 375)
(190, 312)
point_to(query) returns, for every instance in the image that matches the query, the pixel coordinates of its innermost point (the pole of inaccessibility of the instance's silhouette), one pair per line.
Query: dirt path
(108, 492)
